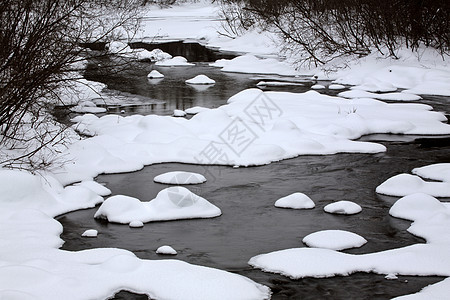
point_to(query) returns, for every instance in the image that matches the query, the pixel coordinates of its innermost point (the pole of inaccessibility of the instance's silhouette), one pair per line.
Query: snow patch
(295, 201)
(177, 61)
(180, 177)
(90, 233)
(334, 240)
(166, 250)
(343, 208)
(200, 79)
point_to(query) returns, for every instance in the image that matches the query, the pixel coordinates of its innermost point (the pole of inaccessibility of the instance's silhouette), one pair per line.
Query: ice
(154, 74)
(179, 113)
(343, 207)
(201, 79)
(334, 240)
(177, 61)
(405, 184)
(180, 177)
(296, 201)
(172, 203)
(90, 233)
(277, 83)
(166, 250)
(385, 96)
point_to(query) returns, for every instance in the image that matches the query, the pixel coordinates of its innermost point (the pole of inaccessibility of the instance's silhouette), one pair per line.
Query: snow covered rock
(166, 250)
(336, 87)
(201, 79)
(172, 203)
(317, 87)
(154, 74)
(406, 184)
(296, 201)
(195, 110)
(343, 208)
(180, 177)
(90, 233)
(334, 240)
(136, 224)
(416, 206)
(179, 113)
(177, 61)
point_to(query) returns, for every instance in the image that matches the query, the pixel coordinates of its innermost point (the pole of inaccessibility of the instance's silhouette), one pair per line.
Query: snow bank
(87, 107)
(172, 203)
(195, 110)
(251, 64)
(296, 201)
(180, 177)
(32, 266)
(90, 233)
(154, 74)
(385, 96)
(334, 240)
(343, 208)
(286, 125)
(166, 250)
(431, 222)
(406, 184)
(201, 79)
(177, 61)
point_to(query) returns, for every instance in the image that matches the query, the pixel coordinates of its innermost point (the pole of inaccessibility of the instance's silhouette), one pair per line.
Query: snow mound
(416, 206)
(136, 224)
(180, 177)
(385, 96)
(296, 201)
(195, 110)
(405, 184)
(172, 203)
(200, 79)
(317, 87)
(278, 83)
(336, 87)
(334, 240)
(177, 61)
(154, 74)
(343, 208)
(90, 233)
(166, 250)
(179, 113)
(440, 172)
(87, 106)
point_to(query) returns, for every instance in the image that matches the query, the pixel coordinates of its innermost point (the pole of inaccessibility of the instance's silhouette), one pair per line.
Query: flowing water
(250, 224)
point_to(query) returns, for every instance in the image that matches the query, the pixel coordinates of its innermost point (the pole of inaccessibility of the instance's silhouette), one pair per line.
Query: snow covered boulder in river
(173, 203)
(295, 201)
(180, 177)
(200, 79)
(334, 240)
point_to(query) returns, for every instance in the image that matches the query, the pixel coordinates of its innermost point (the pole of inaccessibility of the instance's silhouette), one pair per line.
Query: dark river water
(250, 224)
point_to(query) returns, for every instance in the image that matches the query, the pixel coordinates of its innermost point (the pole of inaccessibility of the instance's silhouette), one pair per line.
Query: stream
(250, 224)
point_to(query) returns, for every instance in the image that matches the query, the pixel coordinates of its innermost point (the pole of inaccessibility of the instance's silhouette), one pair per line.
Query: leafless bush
(39, 50)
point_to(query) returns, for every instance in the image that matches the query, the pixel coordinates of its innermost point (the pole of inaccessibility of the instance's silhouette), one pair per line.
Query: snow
(435, 291)
(296, 201)
(336, 87)
(166, 250)
(440, 172)
(334, 240)
(317, 87)
(154, 74)
(385, 96)
(177, 61)
(32, 266)
(277, 83)
(180, 177)
(251, 64)
(298, 124)
(416, 206)
(200, 79)
(343, 207)
(87, 106)
(406, 184)
(179, 113)
(195, 110)
(173, 203)
(90, 233)
(136, 224)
